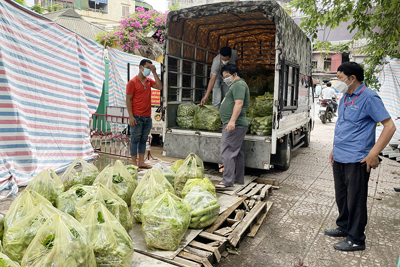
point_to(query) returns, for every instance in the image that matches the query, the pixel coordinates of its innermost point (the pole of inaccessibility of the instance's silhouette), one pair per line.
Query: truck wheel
(286, 156)
(306, 139)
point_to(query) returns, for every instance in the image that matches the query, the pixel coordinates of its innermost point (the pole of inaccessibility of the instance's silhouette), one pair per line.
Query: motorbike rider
(329, 93)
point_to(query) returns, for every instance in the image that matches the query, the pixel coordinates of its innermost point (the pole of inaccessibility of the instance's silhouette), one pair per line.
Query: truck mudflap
(257, 150)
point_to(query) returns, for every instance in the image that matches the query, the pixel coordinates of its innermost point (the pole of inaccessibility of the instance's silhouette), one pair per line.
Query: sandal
(222, 187)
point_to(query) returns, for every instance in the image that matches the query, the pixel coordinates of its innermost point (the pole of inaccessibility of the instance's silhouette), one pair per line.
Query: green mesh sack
(186, 110)
(185, 122)
(165, 221)
(207, 118)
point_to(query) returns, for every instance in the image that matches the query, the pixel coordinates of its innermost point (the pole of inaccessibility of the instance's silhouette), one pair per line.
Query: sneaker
(335, 232)
(347, 245)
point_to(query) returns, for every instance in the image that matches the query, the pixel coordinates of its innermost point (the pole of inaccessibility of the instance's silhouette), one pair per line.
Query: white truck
(264, 35)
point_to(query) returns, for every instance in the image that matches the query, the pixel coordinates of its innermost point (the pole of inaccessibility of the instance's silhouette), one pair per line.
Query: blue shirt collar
(358, 90)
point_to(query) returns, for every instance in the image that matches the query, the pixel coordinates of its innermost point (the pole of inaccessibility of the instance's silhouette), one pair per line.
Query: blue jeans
(140, 135)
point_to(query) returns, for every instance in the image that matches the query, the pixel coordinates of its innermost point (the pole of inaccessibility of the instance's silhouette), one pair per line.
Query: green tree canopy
(376, 20)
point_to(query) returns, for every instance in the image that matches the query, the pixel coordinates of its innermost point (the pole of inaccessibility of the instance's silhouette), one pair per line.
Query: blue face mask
(146, 72)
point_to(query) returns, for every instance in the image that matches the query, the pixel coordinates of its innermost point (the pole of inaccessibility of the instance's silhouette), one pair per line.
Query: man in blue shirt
(355, 153)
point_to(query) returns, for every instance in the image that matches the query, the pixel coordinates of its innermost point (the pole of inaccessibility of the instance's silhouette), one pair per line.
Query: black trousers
(351, 191)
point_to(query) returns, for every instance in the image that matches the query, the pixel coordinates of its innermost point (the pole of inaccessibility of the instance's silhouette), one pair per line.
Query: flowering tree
(133, 32)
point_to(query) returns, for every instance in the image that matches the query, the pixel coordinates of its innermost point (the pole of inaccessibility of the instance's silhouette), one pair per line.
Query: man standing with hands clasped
(138, 102)
(355, 153)
(234, 121)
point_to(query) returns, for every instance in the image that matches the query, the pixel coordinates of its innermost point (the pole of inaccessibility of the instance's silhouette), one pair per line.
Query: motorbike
(325, 110)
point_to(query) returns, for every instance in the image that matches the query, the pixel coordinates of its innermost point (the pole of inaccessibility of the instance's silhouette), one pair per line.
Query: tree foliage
(376, 20)
(37, 8)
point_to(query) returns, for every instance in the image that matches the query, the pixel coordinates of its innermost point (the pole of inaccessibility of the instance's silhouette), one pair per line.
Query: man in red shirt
(138, 102)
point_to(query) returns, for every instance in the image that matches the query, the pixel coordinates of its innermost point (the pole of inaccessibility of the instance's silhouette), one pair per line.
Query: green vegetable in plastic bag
(85, 177)
(207, 118)
(192, 167)
(186, 110)
(167, 172)
(204, 207)
(116, 205)
(261, 125)
(133, 170)
(61, 241)
(18, 237)
(5, 261)
(66, 202)
(175, 166)
(117, 178)
(111, 244)
(185, 122)
(1, 225)
(165, 221)
(49, 187)
(150, 186)
(23, 204)
(205, 183)
(263, 105)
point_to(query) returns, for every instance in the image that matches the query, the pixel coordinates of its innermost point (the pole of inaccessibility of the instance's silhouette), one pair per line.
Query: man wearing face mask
(233, 117)
(216, 85)
(138, 103)
(355, 153)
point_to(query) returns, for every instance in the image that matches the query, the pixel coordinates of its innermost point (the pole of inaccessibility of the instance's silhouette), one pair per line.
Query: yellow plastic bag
(1, 225)
(116, 205)
(49, 187)
(85, 177)
(117, 178)
(23, 204)
(165, 221)
(205, 183)
(5, 261)
(192, 167)
(150, 186)
(133, 170)
(167, 172)
(61, 241)
(66, 201)
(175, 166)
(18, 237)
(111, 244)
(204, 207)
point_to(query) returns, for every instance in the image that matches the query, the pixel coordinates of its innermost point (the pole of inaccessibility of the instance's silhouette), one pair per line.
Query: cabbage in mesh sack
(205, 183)
(207, 118)
(192, 167)
(22, 205)
(185, 122)
(116, 205)
(18, 237)
(117, 178)
(204, 207)
(150, 186)
(66, 201)
(111, 243)
(186, 110)
(49, 187)
(61, 241)
(165, 221)
(85, 177)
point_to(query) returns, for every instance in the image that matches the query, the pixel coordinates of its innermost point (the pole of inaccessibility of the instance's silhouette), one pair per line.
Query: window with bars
(125, 11)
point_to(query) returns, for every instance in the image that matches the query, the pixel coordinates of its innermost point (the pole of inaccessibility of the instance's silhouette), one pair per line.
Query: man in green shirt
(233, 117)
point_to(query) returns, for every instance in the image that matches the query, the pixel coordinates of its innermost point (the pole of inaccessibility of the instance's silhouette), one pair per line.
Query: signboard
(155, 97)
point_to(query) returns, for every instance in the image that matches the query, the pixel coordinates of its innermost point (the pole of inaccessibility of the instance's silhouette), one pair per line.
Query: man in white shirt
(329, 93)
(216, 84)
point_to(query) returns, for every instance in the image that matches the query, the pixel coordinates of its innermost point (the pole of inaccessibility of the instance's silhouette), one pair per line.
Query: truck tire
(286, 156)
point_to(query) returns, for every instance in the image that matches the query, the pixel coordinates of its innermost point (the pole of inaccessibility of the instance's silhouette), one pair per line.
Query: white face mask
(342, 87)
(225, 62)
(228, 80)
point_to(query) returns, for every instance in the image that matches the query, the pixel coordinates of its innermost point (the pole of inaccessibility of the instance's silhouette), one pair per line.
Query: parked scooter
(325, 110)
